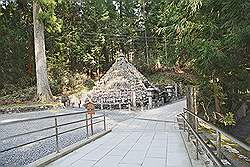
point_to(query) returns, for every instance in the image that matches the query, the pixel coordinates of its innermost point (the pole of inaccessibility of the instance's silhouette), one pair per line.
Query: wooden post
(91, 124)
(87, 126)
(91, 111)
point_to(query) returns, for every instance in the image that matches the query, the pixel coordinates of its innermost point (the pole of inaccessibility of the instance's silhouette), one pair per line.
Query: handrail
(209, 151)
(27, 133)
(48, 128)
(56, 126)
(240, 143)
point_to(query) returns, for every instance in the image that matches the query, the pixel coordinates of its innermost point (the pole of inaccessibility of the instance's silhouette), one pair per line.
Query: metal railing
(193, 128)
(86, 119)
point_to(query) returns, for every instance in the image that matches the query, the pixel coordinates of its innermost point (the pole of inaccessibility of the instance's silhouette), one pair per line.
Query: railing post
(129, 107)
(87, 125)
(184, 125)
(218, 144)
(56, 128)
(197, 142)
(104, 121)
(185, 115)
(188, 126)
(91, 124)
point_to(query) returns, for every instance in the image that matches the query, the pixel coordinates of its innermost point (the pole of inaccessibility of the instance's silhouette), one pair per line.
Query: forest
(201, 43)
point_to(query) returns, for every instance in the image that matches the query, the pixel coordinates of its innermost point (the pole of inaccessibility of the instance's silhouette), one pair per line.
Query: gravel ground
(29, 153)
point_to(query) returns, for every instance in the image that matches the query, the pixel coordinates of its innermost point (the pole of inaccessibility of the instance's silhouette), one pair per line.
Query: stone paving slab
(136, 143)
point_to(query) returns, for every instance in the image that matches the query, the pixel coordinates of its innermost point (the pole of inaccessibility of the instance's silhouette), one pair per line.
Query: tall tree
(43, 89)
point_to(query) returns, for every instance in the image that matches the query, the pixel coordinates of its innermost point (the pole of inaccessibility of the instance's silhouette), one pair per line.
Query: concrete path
(149, 140)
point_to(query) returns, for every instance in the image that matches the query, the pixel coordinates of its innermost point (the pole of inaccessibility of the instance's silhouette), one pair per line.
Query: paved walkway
(150, 140)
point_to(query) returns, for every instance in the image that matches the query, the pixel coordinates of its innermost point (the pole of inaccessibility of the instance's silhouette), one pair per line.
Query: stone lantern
(150, 97)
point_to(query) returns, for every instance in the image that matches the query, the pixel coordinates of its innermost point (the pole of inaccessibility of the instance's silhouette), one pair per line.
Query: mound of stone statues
(122, 84)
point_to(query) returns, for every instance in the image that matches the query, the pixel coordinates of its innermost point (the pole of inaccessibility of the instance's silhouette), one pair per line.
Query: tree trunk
(195, 100)
(145, 33)
(43, 89)
(190, 98)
